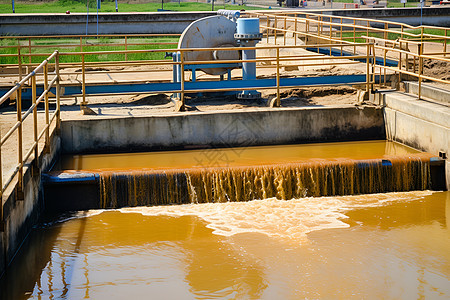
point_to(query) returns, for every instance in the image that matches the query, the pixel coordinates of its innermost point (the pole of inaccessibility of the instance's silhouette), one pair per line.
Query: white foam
(291, 219)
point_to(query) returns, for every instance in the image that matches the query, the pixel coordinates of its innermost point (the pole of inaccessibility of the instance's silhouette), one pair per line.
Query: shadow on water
(24, 273)
(63, 260)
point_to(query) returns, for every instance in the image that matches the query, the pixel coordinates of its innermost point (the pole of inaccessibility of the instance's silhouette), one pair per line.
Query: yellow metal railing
(263, 62)
(324, 29)
(27, 47)
(24, 155)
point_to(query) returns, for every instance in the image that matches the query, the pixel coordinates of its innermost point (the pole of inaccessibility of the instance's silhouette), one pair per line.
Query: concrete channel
(422, 124)
(92, 134)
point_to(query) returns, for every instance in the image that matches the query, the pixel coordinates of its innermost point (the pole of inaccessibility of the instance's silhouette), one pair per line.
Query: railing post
(445, 43)
(58, 93)
(399, 66)
(367, 28)
(35, 119)
(306, 31)
(267, 29)
(19, 59)
(47, 108)
(275, 26)
(420, 69)
(29, 50)
(367, 69)
(354, 36)
(83, 81)
(126, 48)
(285, 32)
(278, 103)
(19, 189)
(295, 29)
(181, 106)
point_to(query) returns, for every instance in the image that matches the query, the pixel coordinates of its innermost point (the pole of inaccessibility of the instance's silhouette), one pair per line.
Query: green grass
(89, 45)
(62, 6)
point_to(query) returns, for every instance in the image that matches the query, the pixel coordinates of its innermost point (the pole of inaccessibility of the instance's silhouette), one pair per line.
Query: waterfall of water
(287, 181)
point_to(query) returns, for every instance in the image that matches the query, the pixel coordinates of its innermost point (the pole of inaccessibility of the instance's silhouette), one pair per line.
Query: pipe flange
(248, 36)
(249, 96)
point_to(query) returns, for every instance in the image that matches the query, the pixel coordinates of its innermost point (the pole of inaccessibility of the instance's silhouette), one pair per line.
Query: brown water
(379, 246)
(243, 174)
(231, 157)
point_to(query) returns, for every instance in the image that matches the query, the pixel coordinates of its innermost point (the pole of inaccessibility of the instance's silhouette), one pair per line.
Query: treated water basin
(380, 246)
(242, 156)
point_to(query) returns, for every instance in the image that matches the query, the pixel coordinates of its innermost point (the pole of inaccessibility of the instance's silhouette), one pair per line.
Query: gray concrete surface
(421, 124)
(176, 22)
(222, 129)
(108, 23)
(21, 215)
(429, 91)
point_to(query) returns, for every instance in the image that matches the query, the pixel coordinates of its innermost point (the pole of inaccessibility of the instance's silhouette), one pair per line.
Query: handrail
(18, 126)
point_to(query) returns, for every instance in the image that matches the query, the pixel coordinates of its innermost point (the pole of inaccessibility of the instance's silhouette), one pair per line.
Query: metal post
(384, 64)
(181, 106)
(445, 43)
(126, 48)
(354, 36)
(83, 82)
(399, 66)
(306, 31)
(47, 113)
(19, 190)
(29, 50)
(19, 59)
(58, 93)
(267, 29)
(35, 119)
(420, 69)
(278, 103)
(367, 69)
(295, 30)
(367, 28)
(285, 32)
(275, 26)
(331, 30)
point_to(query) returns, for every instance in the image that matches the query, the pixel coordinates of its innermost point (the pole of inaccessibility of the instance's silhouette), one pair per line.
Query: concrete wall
(109, 23)
(222, 129)
(420, 124)
(21, 215)
(176, 22)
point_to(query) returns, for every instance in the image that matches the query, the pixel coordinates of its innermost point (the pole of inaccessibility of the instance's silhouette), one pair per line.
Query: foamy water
(292, 219)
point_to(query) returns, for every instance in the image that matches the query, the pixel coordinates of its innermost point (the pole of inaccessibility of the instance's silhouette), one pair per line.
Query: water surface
(388, 246)
(239, 156)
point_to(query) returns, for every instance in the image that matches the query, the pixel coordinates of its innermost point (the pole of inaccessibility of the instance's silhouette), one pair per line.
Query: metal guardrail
(335, 29)
(181, 88)
(22, 159)
(27, 47)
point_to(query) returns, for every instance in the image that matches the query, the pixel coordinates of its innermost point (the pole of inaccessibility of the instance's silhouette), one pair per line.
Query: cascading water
(283, 181)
